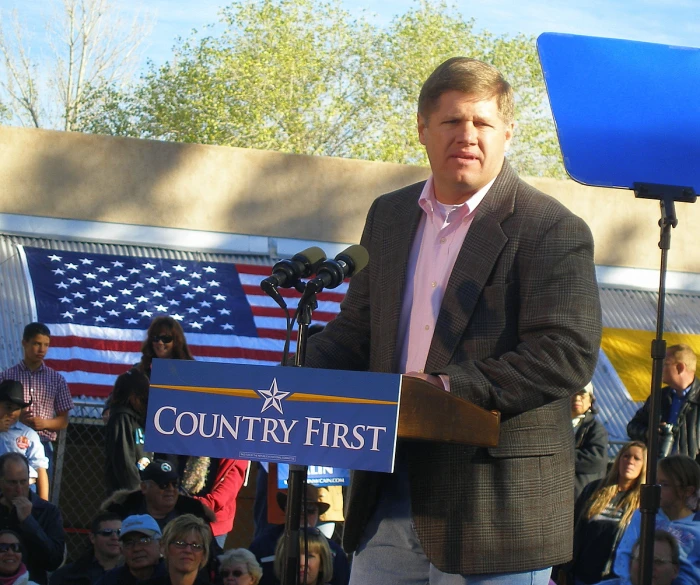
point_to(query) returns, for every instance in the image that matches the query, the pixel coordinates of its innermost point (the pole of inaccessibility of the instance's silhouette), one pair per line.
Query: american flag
(99, 306)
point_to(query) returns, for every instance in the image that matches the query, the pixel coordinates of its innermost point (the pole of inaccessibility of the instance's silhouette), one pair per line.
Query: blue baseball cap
(142, 523)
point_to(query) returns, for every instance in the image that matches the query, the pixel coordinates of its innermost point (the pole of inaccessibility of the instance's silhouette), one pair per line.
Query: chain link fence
(78, 485)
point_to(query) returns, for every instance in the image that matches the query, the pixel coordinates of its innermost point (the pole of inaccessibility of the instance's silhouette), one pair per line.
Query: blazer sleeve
(552, 309)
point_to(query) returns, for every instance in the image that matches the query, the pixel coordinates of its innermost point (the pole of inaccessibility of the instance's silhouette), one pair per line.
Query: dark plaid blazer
(519, 332)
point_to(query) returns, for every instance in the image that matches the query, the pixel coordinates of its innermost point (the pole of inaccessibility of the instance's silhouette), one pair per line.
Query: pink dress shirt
(438, 240)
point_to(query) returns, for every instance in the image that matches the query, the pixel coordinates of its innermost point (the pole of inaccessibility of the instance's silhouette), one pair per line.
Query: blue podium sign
(303, 416)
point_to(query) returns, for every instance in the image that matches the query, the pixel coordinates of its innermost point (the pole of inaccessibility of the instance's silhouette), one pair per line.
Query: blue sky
(675, 22)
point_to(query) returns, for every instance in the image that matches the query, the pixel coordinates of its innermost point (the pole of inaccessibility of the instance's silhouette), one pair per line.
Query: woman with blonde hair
(316, 560)
(239, 566)
(603, 511)
(185, 548)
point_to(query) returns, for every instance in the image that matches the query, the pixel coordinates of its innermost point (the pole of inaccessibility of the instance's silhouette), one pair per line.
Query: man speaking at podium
(485, 287)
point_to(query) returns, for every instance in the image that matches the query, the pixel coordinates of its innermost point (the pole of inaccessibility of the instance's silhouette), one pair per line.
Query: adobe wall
(212, 188)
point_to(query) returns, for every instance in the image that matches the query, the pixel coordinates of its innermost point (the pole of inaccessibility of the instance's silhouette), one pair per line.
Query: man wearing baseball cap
(159, 497)
(19, 438)
(140, 537)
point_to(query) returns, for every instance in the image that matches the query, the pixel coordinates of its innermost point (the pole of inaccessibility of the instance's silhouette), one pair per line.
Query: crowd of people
(481, 286)
(165, 518)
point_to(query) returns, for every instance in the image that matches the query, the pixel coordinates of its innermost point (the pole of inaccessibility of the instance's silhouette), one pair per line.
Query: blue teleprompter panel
(302, 416)
(625, 111)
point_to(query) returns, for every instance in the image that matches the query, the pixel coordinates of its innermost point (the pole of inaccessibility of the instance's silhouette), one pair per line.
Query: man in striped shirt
(46, 388)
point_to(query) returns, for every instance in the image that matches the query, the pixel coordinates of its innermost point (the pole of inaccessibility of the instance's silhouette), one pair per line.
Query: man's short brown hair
(472, 77)
(684, 354)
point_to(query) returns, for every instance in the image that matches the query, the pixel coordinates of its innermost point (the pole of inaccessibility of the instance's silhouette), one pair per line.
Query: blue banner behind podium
(303, 416)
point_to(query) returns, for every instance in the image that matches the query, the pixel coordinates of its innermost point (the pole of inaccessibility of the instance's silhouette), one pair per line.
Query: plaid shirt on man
(46, 388)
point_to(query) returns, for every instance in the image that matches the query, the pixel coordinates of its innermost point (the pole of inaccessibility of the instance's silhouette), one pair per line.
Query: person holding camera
(680, 407)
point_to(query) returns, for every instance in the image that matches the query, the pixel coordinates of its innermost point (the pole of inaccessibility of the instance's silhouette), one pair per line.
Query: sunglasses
(172, 483)
(13, 546)
(134, 541)
(235, 573)
(107, 532)
(163, 338)
(182, 545)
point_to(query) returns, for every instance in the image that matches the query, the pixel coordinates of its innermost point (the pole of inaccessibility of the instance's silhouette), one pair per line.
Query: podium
(430, 414)
(426, 414)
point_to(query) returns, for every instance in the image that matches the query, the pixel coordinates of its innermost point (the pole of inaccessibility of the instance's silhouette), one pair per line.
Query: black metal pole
(650, 491)
(297, 473)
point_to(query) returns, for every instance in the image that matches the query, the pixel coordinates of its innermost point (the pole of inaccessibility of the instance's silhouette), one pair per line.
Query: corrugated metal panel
(15, 310)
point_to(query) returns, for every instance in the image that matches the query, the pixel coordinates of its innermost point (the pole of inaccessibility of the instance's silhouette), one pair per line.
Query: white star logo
(273, 397)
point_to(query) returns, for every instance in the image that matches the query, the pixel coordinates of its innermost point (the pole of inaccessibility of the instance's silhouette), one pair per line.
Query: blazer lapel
(396, 247)
(475, 262)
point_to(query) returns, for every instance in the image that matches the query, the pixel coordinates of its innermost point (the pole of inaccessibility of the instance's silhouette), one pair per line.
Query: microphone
(332, 272)
(286, 273)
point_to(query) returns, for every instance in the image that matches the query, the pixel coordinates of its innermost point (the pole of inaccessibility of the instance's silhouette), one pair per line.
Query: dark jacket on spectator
(122, 576)
(126, 503)
(42, 535)
(591, 442)
(687, 435)
(124, 449)
(85, 571)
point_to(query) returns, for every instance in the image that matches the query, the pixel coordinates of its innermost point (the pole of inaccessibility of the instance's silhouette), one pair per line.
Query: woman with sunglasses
(679, 478)
(12, 570)
(185, 548)
(165, 339)
(239, 566)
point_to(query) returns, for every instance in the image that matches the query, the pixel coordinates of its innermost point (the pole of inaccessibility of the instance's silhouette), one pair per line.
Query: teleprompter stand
(604, 105)
(651, 492)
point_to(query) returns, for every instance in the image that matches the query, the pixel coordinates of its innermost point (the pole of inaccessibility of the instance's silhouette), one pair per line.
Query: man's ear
(144, 487)
(421, 123)
(510, 131)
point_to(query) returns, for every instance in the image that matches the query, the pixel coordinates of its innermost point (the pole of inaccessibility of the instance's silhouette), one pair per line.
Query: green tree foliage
(302, 76)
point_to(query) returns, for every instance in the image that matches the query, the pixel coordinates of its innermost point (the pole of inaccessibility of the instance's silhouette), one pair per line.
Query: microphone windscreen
(312, 256)
(358, 256)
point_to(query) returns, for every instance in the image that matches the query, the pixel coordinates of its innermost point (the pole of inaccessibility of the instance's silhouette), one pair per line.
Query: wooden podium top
(430, 414)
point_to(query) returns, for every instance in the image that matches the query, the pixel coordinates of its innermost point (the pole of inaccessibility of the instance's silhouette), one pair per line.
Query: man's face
(106, 539)
(671, 375)
(140, 550)
(15, 480)
(466, 141)
(664, 571)
(9, 414)
(35, 349)
(160, 499)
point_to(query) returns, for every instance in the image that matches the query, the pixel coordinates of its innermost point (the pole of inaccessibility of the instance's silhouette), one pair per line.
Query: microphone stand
(650, 495)
(297, 473)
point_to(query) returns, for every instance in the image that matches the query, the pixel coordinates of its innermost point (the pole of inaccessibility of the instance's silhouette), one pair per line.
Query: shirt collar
(428, 203)
(26, 368)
